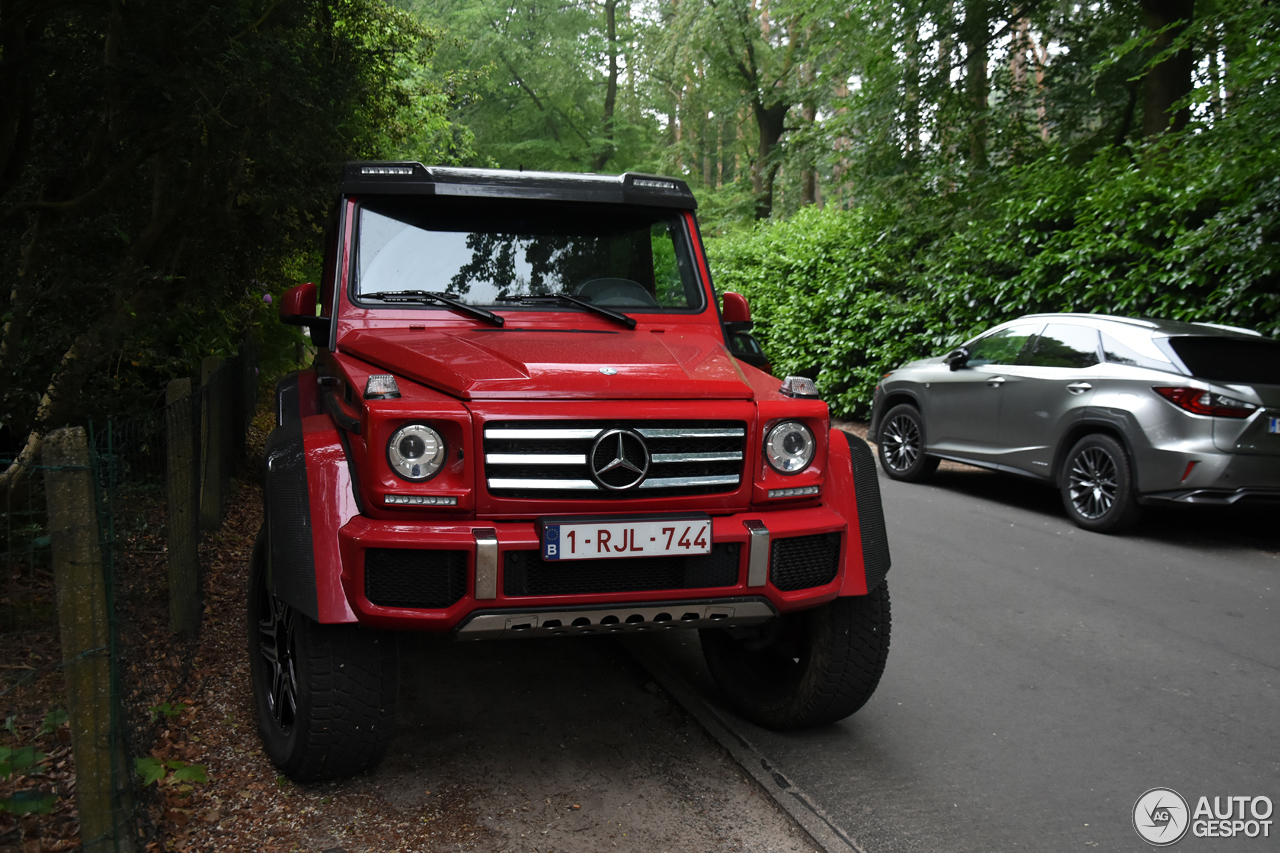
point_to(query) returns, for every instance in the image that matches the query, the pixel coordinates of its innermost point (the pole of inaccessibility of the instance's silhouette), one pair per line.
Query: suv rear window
(486, 252)
(1238, 360)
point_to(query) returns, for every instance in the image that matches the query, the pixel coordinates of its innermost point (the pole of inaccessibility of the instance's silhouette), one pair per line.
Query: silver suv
(1116, 412)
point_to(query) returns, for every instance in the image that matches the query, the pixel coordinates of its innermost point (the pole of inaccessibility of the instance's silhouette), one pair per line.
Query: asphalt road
(1041, 678)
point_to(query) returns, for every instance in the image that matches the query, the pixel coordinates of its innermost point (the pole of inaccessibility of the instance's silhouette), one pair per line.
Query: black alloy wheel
(278, 653)
(901, 445)
(325, 694)
(1097, 485)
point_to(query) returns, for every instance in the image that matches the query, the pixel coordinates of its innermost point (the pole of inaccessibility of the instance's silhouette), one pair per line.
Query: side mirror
(298, 308)
(957, 358)
(736, 313)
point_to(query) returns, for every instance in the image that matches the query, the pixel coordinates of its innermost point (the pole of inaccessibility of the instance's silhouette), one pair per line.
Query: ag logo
(1160, 816)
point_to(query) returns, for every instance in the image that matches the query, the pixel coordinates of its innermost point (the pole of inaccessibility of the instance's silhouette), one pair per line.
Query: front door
(1046, 394)
(962, 409)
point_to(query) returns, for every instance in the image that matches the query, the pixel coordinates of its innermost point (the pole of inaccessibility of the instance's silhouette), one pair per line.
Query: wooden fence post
(86, 642)
(212, 443)
(183, 494)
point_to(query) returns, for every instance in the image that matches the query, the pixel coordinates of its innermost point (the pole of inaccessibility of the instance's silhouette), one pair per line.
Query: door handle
(995, 381)
(1079, 387)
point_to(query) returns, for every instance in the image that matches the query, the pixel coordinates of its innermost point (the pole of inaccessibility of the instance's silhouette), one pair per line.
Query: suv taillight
(1201, 402)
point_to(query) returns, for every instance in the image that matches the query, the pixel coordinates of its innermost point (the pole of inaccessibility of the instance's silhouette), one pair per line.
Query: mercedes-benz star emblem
(619, 459)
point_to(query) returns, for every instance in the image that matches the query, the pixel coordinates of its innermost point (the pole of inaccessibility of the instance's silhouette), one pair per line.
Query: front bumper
(485, 598)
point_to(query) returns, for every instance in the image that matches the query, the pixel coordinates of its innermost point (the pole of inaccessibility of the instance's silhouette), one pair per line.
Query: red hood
(479, 364)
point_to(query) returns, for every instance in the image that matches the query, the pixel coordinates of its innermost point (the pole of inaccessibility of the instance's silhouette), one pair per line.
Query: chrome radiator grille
(612, 460)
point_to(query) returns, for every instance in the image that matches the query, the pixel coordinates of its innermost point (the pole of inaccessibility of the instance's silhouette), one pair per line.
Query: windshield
(487, 253)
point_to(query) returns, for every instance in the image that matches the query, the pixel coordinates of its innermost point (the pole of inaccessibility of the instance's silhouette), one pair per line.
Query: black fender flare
(286, 501)
(866, 486)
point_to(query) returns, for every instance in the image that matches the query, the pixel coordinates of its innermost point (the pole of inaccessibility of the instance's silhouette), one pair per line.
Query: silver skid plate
(615, 619)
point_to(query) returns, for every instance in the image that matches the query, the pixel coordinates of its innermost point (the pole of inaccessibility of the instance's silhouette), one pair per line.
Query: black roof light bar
(410, 178)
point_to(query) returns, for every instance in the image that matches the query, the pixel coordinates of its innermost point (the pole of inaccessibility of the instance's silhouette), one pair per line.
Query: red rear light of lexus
(1201, 402)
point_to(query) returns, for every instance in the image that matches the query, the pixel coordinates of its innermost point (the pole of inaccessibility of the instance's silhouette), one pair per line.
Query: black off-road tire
(1097, 485)
(901, 445)
(326, 712)
(804, 669)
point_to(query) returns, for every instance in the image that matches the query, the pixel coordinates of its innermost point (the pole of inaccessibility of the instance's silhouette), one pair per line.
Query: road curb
(820, 827)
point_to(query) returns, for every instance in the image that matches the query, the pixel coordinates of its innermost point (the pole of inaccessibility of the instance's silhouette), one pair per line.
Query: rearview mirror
(298, 308)
(957, 358)
(736, 313)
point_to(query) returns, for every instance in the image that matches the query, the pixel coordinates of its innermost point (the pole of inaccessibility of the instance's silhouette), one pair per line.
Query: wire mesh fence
(101, 603)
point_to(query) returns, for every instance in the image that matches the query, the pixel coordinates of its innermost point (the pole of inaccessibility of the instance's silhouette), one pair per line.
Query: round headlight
(416, 452)
(789, 447)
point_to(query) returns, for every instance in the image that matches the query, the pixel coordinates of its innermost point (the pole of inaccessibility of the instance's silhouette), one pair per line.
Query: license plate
(584, 539)
(1273, 425)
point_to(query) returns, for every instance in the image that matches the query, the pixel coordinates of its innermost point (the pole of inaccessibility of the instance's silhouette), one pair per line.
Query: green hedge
(1186, 231)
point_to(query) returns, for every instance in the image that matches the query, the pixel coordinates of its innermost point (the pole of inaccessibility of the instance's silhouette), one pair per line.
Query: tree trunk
(808, 174)
(1170, 80)
(611, 87)
(910, 96)
(770, 121)
(977, 85)
(728, 152)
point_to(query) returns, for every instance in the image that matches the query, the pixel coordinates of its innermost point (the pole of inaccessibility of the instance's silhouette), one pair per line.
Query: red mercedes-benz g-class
(523, 420)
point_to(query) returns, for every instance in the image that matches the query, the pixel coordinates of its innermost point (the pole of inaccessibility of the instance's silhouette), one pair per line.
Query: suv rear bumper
(463, 569)
(1212, 497)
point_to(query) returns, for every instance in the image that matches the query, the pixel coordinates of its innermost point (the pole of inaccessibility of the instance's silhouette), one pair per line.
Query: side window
(1118, 353)
(1061, 345)
(1003, 347)
(669, 273)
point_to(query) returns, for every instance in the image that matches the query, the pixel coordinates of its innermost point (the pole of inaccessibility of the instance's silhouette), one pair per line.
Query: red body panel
(843, 498)
(652, 363)
(457, 374)
(332, 506)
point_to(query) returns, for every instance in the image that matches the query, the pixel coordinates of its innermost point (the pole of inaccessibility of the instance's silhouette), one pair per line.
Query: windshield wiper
(423, 297)
(616, 316)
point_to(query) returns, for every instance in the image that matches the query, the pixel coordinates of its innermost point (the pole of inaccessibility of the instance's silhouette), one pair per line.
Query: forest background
(881, 179)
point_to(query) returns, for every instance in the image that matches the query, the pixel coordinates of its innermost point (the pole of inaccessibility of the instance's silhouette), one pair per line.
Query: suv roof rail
(1226, 328)
(1131, 321)
(407, 177)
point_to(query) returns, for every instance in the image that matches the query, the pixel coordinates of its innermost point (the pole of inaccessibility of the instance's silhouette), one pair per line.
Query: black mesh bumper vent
(803, 562)
(525, 573)
(396, 577)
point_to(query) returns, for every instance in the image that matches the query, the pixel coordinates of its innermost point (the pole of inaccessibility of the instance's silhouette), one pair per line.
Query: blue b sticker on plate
(1273, 425)
(551, 542)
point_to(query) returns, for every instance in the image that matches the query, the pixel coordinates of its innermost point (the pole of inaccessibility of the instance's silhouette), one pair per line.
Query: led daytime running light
(794, 493)
(422, 500)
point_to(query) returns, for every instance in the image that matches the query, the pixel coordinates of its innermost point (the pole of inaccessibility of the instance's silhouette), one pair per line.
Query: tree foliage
(1182, 226)
(920, 168)
(164, 164)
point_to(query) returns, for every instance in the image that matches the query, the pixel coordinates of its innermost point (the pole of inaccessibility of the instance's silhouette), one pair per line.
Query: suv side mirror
(298, 308)
(957, 358)
(736, 313)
